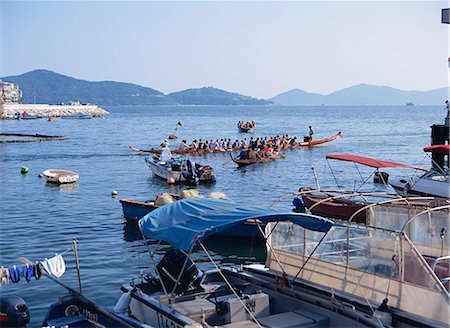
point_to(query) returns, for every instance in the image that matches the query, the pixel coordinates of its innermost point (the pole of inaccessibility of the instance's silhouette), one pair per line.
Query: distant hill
(43, 86)
(213, 96)
(53, 88)
(363, 94)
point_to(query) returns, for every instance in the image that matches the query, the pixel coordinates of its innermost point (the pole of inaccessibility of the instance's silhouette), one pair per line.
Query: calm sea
(39, 220)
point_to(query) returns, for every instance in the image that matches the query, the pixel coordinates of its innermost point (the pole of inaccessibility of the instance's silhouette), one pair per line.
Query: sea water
(39, 220)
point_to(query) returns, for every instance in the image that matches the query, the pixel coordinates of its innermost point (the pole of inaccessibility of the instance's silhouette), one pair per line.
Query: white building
(10, 93)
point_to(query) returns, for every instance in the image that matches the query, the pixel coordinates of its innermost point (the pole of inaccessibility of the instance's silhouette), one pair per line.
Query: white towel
(55, 266)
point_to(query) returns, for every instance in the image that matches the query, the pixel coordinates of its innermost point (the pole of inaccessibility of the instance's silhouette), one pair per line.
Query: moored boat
(180, 170)
(435, 182)
(317, 274)
(75, 310)
(60, 176)
(135, 210)
(334, 205)
(78, 116)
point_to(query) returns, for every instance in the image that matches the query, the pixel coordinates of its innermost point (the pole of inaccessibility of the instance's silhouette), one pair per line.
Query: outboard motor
(191, 174)
(380, 177)
(169, 269)
(306, 138)
(13, 312)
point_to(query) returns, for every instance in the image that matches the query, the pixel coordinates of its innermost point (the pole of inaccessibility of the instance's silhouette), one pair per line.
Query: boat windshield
(372, 251)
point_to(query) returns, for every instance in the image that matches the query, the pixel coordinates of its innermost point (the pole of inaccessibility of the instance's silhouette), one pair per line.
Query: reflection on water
(131, 231)
(64, 187)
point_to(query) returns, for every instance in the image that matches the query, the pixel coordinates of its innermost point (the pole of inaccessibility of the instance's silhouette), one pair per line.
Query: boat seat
(195, 309)
(294, 319)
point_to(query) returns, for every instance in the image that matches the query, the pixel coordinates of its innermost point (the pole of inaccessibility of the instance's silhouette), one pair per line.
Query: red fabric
(372, 162)
(442, 149)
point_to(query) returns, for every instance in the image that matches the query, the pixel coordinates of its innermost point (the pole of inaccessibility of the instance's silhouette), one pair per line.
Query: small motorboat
(317, 273)
(180, 170)
(246, 127)
(60, 176)
(246, 130)
(134, 209)
(24, 116)
(332, 205)
(434, 182)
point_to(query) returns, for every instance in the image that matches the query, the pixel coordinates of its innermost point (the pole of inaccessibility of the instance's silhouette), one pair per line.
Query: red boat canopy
(372, 162)
(442, 149)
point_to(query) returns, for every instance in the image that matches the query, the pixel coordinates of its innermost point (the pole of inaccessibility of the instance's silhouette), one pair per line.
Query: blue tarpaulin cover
(181, 222)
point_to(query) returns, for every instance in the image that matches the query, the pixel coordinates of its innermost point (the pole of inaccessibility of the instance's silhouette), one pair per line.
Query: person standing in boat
(311, 133)
(447, 118)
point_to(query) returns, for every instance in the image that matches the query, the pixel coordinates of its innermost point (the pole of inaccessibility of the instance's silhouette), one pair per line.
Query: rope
(229, 284)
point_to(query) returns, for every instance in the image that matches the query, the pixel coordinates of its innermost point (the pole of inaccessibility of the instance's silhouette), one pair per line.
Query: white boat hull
(60, 176)
(165, 172)
(422, 186)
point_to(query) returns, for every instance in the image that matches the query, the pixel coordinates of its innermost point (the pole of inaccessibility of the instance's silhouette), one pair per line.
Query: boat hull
(77, 311)
(134, 210)
(313, 143)
(421, 187)
(249, 130)
(336, 209)
(165, 172)
(60, 176)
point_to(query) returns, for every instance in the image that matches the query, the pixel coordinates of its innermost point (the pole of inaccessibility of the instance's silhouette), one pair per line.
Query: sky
(254, 48)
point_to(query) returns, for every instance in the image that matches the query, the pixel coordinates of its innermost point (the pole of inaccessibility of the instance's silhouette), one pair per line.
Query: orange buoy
(170, 180)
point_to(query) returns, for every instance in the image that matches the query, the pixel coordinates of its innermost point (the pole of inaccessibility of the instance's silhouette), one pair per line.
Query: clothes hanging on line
(4, 276)
(14, 274)
(28, 272)
(55, 266)
(37, 271)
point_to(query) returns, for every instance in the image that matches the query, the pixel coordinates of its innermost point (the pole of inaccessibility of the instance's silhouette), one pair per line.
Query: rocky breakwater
(9, 111)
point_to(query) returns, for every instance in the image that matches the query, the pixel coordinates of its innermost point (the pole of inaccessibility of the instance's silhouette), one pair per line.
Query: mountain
(213, 96)
(298, 97)
(364, 94)
(47, 87)
(43, 86)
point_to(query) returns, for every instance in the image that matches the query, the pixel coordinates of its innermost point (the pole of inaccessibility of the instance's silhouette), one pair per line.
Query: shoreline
(8, 111)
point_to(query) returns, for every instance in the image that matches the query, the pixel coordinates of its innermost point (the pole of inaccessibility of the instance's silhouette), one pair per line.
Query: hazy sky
(254, 48)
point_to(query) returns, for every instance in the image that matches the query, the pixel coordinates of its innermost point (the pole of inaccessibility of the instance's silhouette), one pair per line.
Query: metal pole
(315, 177)
(75, 249)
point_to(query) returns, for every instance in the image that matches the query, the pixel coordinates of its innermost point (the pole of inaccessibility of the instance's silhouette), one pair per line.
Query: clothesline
(54, 266)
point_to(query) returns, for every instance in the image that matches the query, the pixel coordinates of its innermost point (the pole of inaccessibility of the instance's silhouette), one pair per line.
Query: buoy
(123, 303)
(170, 180)
(114, 193)
(24, 170)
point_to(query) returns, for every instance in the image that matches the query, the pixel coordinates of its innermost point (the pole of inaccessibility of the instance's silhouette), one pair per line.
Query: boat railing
(429, 210)
(444, 280)
(342, 193)
(407, 200)
(439, 259)
(428, 269)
